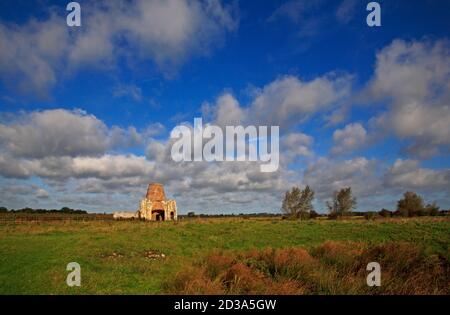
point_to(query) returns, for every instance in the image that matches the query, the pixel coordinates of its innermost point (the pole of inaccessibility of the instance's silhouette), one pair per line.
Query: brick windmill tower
(155, 206)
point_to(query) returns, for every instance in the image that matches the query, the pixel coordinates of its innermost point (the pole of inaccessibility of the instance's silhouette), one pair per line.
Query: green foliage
(342, 203)
(34, 256)
(432, 209)
(297, 203)
(410, 205)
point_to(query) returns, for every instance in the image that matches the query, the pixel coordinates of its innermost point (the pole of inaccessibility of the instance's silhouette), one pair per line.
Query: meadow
(134, 257)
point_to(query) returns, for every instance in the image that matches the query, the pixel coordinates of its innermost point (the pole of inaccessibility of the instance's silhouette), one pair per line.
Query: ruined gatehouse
(155, 206)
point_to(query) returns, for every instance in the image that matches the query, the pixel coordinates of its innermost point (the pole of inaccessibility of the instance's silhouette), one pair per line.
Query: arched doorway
(158, 215)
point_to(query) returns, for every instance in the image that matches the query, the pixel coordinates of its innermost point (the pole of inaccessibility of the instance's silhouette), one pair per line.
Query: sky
(86, 112)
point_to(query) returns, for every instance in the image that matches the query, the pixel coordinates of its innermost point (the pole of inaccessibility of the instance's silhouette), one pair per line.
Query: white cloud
(407, 174)
(326, 176)
(414, 79)
(30, 53)
(35, 55)
(61, 132)
(297, 144)
(285, 102)
(42, 193)
(351, 138)
(288, 100)
(229, 113)
(62, 168)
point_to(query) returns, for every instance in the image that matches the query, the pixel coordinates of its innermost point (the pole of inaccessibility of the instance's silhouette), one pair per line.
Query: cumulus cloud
(297, 145)
(229, 113)
(326, 176)
(61, 132)
(31, 192)
(30, 53)
(42, 193)
(407, 174)
(285, 102)
(414, 80)
(60, 158)
(351, 138)
(62, 168)
(78, 154)
(34, 54)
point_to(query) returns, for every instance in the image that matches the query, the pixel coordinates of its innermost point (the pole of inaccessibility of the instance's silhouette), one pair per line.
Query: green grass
(33, 256)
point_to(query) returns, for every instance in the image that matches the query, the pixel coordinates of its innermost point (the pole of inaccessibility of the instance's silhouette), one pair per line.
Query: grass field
(124, 257)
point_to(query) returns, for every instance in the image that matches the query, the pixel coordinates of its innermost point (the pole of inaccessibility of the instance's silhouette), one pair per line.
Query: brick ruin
(155, 206)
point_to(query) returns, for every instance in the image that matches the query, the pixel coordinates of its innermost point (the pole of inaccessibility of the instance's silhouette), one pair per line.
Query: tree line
(64, 210)
(297, 203)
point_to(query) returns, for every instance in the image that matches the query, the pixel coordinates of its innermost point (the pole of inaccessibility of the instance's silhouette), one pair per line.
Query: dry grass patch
(330, 268)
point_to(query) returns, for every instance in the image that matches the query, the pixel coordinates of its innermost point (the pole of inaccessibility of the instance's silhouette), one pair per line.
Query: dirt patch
(112, 256)
(154, 254)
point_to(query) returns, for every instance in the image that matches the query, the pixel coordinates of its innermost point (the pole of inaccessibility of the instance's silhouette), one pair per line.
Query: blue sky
(86, 112)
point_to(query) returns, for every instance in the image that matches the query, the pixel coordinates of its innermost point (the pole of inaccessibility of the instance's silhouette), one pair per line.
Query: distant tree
(191, 214)
(385, 213)
(432, 209)
(290, 202)
(370, 215)
(305, 206)
(313, 214)
(66, 210)
(342, 203)
(3, 210)
(26, 210)
(297, 203)
(410, 205)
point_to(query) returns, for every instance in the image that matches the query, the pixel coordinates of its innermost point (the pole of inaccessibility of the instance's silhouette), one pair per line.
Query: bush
(385, 213)
(370, 215)
(313, 214)
(333, 216)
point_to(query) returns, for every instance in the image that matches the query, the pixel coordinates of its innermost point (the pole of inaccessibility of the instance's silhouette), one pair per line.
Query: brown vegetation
(331, 268)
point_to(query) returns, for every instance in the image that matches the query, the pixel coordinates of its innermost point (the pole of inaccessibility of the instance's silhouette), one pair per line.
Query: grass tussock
(330, 268)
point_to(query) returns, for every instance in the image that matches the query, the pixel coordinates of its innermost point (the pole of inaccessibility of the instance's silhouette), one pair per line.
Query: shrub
(313, 214)
(385, 213)
(370, 215)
